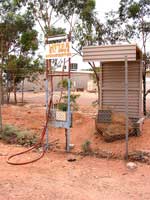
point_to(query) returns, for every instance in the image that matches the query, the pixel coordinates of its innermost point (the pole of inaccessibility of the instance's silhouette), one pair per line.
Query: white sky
(103, 6)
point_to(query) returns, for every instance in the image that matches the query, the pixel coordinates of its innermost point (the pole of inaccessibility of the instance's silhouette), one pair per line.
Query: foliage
(86, 147)
(115, 30)
(13, 135)
(68, 8)
(137, 13)
(73, 99)
(63, 105)
(64, 84)
(42, 12)
(19, 41)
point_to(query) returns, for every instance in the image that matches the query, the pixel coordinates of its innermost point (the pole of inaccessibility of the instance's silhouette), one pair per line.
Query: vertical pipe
(126, 104)
(100, 82)
(68, 118)
(68, 110)
(46, 98)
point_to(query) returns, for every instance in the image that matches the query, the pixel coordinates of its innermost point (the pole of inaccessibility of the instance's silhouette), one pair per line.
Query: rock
(131, 165)
(115, 129)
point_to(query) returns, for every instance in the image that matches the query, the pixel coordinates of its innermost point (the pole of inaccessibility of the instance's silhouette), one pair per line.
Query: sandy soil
(53, 177)
(32, 117)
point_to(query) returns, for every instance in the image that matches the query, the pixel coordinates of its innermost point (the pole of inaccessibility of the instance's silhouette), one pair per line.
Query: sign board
(58, 50)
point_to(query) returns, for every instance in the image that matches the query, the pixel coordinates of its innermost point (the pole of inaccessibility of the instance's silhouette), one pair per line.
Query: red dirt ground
(53, 177)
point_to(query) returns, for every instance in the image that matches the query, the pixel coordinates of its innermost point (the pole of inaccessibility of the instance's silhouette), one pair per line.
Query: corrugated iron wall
(110, 53)
(113, 87)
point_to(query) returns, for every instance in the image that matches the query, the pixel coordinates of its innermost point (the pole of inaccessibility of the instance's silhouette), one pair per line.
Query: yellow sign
(58, 50)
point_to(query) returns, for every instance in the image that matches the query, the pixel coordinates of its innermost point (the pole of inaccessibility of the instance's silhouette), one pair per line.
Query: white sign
(58, 50)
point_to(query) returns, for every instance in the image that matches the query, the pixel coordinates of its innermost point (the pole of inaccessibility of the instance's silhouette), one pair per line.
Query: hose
(40, 143)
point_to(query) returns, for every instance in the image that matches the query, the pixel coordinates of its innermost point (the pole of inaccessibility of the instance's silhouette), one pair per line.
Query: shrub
(86, 148)
(13, 135)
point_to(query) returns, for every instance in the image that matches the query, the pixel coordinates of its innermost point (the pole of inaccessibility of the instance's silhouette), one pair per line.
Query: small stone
(40, 149)
(131, 165)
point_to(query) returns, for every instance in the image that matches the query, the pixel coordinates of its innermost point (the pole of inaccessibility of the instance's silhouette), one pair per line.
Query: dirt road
(88, 178)
(54, 178)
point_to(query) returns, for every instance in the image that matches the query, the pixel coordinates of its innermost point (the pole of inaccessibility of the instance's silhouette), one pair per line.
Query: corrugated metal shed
(113, 87)
(112, 76)
(111, 53)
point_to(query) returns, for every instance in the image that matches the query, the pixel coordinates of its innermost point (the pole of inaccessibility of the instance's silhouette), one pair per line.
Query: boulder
(115, 129)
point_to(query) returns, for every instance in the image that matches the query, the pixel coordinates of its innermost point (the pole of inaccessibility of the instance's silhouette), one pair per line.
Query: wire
(40, 143)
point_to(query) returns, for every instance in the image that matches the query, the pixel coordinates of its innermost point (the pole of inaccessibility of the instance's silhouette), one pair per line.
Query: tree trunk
(14, 89)
(98, 92)
(97, 82)
(61, 89)
(1, 127)
(144, 90)
(22, 98)
(1, 85)
(7, 90)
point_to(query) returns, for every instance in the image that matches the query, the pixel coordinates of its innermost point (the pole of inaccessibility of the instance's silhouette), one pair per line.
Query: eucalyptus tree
(78, 17)
(90, 32)
(137, 13)
(19, 42)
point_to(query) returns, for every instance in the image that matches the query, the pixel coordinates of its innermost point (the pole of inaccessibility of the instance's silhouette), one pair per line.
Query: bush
(13, 135)
(73, 98)
(86, 148)
(62, 106)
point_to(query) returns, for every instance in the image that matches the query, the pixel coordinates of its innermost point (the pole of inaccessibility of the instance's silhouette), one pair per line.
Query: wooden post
(126, 105)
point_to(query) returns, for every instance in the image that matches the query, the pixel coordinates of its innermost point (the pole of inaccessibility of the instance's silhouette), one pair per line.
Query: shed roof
(111, 53)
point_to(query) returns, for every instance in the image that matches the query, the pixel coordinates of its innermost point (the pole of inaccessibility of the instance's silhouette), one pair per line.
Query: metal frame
(126, 105)
(49, 81)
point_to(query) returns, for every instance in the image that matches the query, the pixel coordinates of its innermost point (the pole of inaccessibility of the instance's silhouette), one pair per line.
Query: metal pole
(46, 98)
(68, 110)
(68, 118)
(126, 104)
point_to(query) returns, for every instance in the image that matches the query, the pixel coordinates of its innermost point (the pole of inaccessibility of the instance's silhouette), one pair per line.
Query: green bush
(13, 135)
(62, 106)
(86, 148)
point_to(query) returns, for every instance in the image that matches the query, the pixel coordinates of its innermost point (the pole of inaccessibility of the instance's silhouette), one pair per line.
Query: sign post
(56, 48)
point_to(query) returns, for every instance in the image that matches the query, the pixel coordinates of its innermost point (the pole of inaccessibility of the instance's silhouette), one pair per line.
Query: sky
(103, 6)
